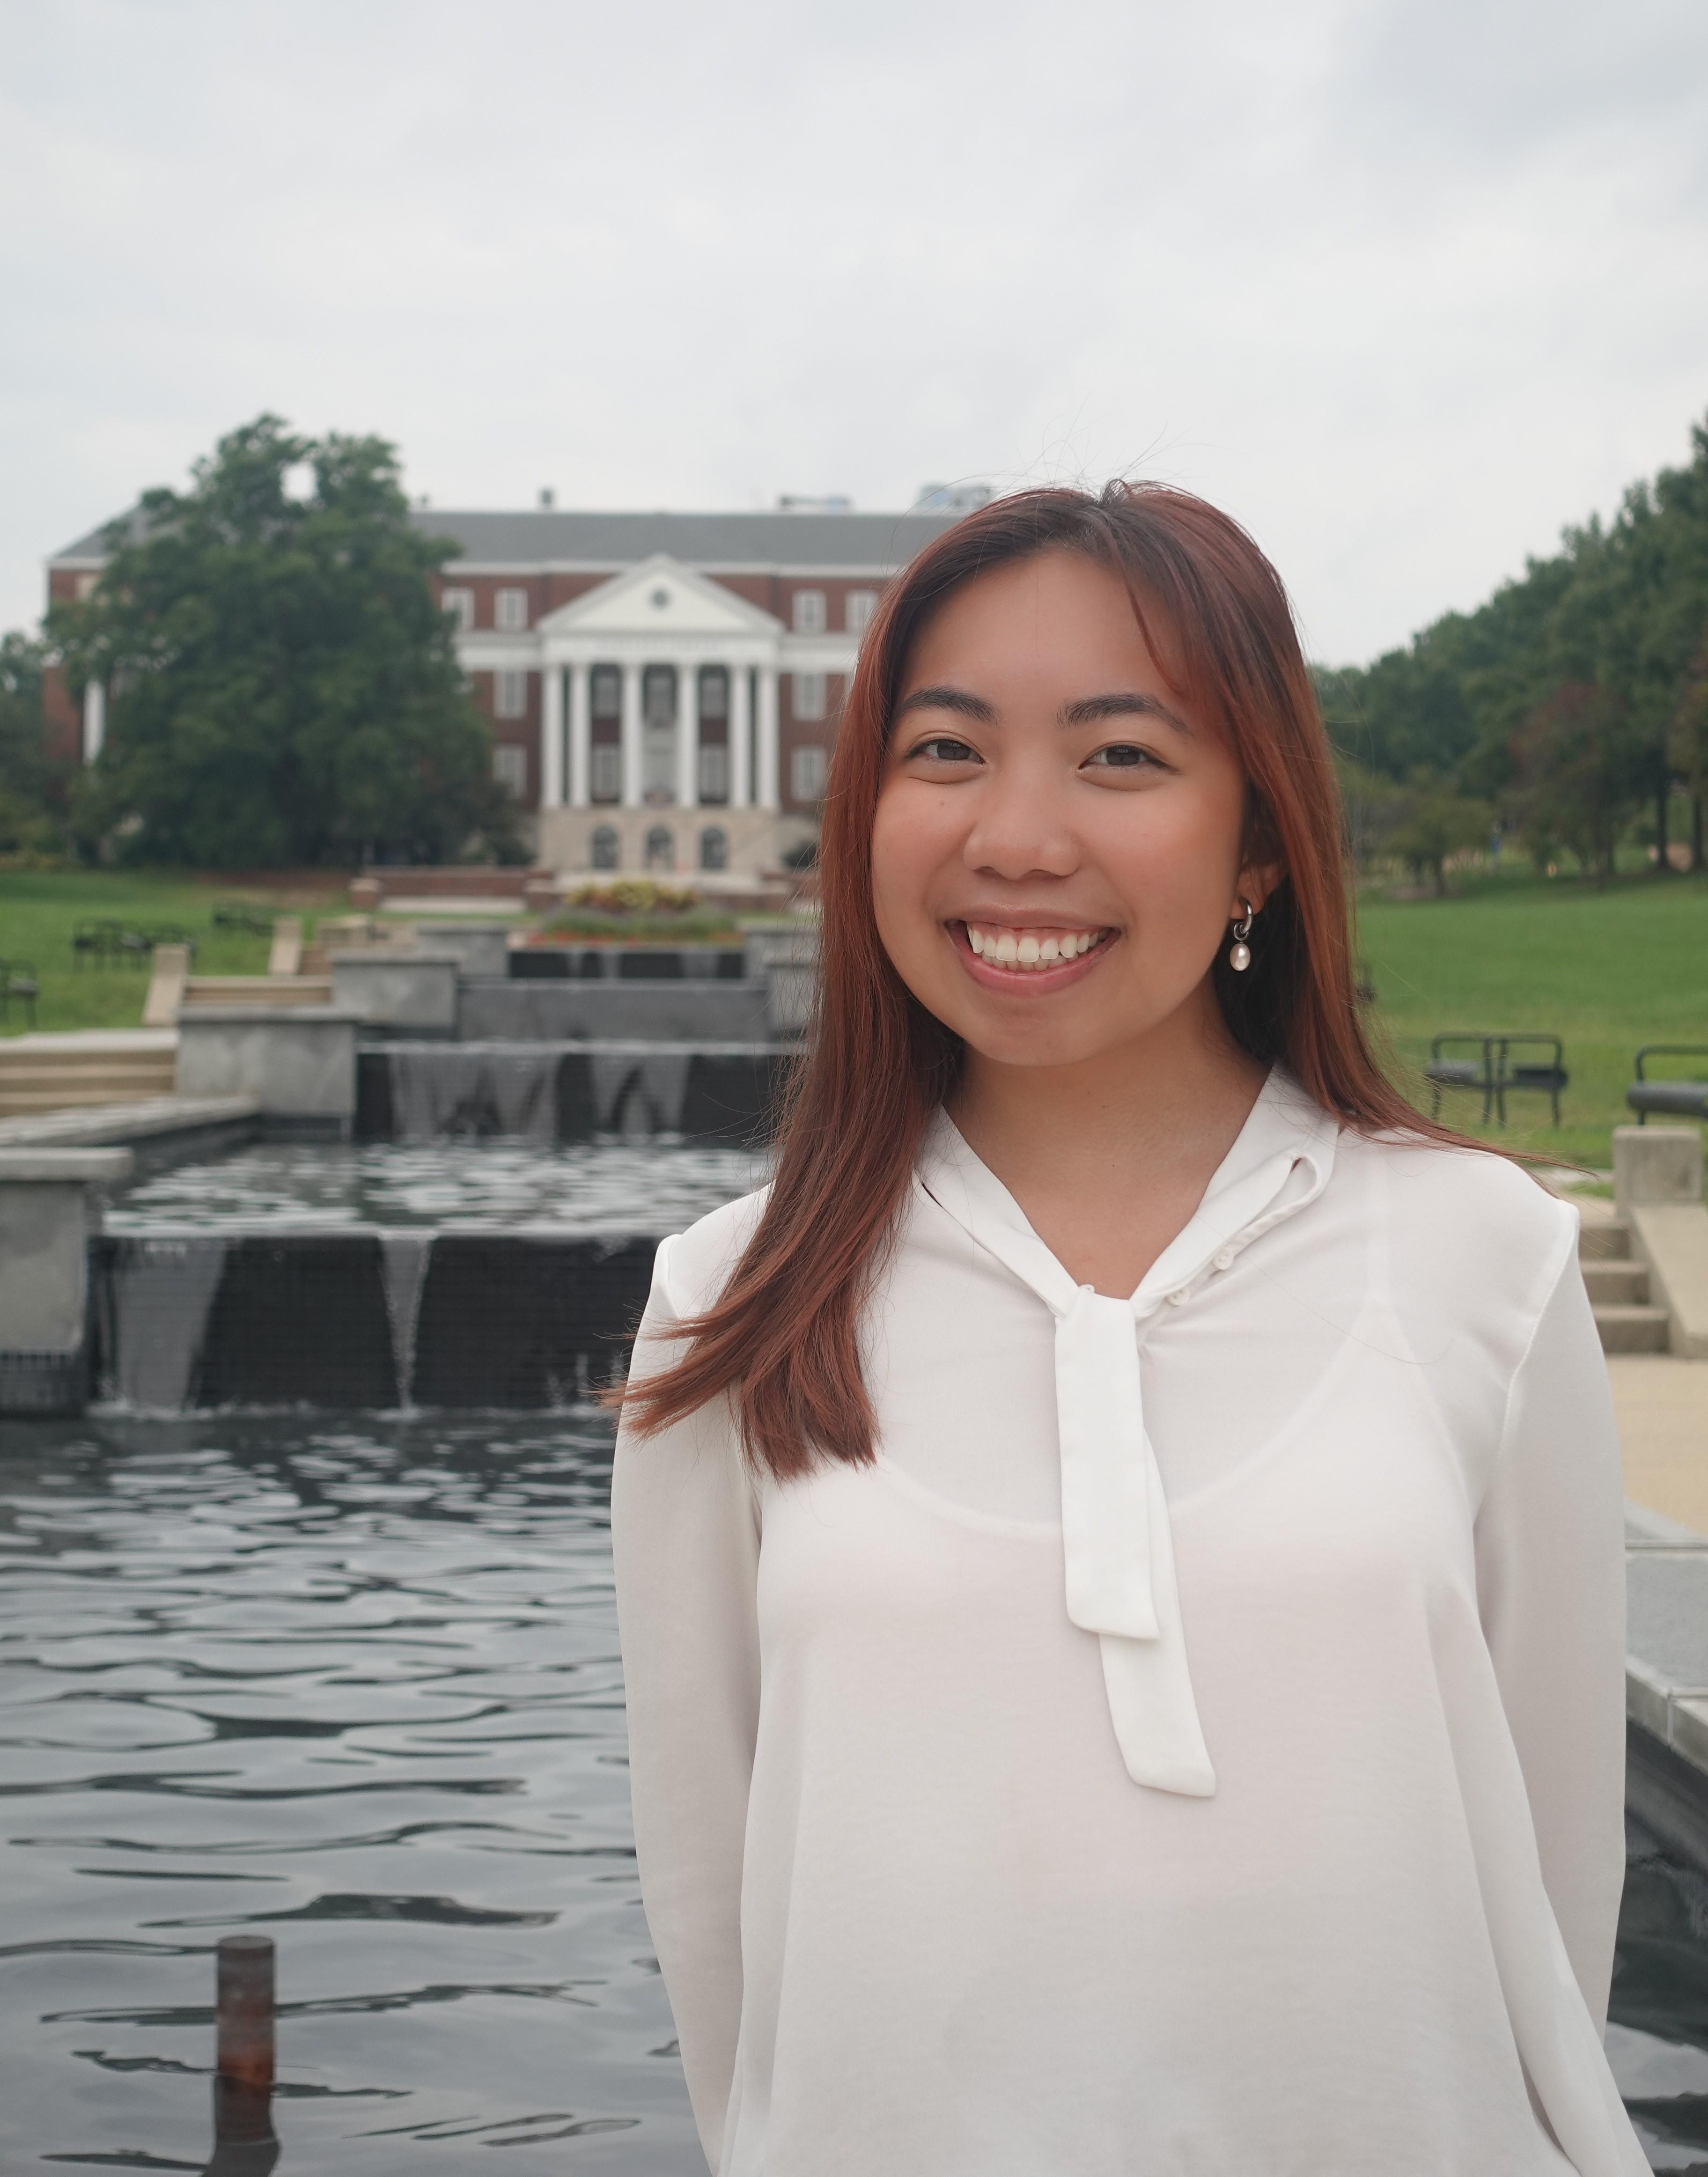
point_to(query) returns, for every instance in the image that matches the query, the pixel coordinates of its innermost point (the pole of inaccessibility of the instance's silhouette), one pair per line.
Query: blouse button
(1225, 1257)
(1178, 1297)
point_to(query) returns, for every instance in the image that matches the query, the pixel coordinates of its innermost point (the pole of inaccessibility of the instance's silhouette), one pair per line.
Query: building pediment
(661, 597)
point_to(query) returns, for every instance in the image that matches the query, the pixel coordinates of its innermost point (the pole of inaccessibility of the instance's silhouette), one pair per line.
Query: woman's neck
(1110, 1157)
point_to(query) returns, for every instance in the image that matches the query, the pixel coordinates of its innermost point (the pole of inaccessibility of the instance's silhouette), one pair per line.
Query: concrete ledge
(153, 1116)
(297, 1062)
(1671, 1239)
(90, 1167)
(1666, 1679)
(411, 993)
(1655, 1165)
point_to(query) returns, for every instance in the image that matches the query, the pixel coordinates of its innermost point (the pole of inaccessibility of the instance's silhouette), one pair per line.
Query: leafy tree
(1437, 823)
(27, 822)
(1579, 768)
(281, 687)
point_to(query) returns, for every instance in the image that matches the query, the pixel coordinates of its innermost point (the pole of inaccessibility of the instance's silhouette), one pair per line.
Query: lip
(1036, 982)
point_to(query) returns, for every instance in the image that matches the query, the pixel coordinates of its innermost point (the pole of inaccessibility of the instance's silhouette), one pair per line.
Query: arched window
(714, 848)
(661, 848)
(608, 847)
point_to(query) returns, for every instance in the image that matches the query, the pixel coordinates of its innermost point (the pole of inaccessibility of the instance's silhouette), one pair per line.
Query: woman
(1118, 1549)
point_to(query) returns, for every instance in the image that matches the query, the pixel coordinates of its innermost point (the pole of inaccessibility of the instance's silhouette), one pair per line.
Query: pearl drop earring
(1239, 957)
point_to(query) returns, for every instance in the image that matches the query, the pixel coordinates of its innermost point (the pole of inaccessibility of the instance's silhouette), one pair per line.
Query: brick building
(663, 688)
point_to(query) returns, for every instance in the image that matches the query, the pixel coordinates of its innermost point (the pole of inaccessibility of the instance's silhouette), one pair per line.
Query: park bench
(1681, 1099)
(18, 980)
(1495, 1072)
(106, 941)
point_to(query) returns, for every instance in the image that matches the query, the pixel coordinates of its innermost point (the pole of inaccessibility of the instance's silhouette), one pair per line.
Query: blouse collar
(1280, 1163)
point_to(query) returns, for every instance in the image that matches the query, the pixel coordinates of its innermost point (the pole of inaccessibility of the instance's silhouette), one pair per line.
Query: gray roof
(873, 542)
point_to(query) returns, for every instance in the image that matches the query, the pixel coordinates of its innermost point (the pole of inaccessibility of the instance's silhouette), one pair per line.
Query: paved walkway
(1663, 1406)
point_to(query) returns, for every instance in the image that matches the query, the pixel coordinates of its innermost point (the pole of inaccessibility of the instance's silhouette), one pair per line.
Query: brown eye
(1123, 756)
(944, 750)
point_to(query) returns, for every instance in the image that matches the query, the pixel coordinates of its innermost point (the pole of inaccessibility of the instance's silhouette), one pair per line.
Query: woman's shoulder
(694, 1265)
(1489, 1216)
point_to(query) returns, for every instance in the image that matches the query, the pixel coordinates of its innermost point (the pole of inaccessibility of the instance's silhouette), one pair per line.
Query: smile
(1020, 952)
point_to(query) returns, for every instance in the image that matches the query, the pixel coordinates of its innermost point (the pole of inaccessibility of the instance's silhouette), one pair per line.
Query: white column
(740, 739)
(687, 733)
(552, 736)
(767, 790)
(631, 736)
(581, 736)
(94, 719)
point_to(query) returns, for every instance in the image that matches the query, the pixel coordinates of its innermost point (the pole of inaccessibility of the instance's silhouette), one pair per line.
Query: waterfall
(640, 1092)
(154, 1301)
(405, 1256)
(459, 1090)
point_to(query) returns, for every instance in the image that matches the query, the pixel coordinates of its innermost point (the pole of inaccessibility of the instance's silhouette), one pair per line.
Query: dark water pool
(355, 1685)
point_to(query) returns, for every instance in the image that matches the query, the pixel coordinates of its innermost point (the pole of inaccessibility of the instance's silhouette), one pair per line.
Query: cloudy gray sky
(1406, 287)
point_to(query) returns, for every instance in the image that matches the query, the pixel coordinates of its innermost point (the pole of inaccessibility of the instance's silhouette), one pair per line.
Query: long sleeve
(685, 1540)
(1552, 1589)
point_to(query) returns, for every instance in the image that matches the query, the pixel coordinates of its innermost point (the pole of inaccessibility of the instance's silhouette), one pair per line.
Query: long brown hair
(782, 1338)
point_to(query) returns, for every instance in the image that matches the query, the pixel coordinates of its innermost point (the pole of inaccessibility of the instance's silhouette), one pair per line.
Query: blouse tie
(1117, 1548)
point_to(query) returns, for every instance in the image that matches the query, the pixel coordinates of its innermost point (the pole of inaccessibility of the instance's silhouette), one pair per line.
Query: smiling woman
(1118, 1549)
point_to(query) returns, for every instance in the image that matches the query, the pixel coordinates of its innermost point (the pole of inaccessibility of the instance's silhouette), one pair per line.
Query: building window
(810, 616)
(714, 692)
(858, 610)
(807, 767)
(607, 692)
(460, 604)
(661, 848)
(86, 586)
(809, 695)
(510, 611)
(509, 695)
(714, 771)
(510, 767)
(608, 847)
(714, 848)
(605, 782)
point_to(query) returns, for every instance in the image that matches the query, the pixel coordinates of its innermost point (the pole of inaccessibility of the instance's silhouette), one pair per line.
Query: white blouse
(1195, 1746)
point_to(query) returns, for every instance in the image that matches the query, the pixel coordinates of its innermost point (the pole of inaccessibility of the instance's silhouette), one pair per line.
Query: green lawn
(39, 909)
(1604, 971)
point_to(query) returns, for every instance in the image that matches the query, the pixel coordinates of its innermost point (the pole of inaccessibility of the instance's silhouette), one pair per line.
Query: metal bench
(18, 980)
(1677, 1099)
(1495, 1072)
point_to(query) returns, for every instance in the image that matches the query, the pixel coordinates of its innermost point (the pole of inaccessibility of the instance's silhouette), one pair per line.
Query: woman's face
(1056, 852)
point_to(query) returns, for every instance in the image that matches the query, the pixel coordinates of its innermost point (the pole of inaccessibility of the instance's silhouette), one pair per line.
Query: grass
(1606, 970)
(39, 910)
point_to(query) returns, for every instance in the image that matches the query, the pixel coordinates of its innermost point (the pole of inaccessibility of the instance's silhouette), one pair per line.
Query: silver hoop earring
(1239, 957)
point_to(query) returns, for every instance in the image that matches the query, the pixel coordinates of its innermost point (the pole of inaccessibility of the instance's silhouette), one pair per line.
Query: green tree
(1579, 767)
(282, 688)
(28, 823)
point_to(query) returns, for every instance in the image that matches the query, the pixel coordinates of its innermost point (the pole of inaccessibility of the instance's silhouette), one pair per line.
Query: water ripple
(373, 1668)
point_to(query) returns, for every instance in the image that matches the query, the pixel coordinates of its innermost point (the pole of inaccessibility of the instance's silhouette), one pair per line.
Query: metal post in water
(245, 2011)
(244, 2142)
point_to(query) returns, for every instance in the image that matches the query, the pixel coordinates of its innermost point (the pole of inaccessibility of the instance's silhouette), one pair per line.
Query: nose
(1020, 827)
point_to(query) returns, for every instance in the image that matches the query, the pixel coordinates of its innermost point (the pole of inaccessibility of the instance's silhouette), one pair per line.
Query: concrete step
(1616, 1284)
(1602, 1238)
(61, 1074)
(1632, 1329)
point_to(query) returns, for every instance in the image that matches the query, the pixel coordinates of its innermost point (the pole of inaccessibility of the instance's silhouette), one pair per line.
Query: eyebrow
(1086, 711)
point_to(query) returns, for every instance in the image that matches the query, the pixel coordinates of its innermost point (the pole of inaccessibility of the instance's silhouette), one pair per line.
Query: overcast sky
(1405, 287)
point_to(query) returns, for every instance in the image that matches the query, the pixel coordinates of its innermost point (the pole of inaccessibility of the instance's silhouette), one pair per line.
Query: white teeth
(1026, 950)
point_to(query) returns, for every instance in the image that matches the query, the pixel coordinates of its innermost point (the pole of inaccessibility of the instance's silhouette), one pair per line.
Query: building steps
(1617, 1285)
(62, 1073)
